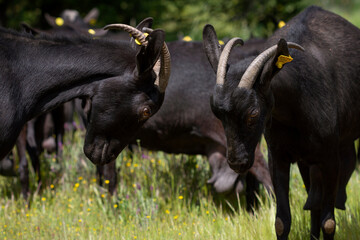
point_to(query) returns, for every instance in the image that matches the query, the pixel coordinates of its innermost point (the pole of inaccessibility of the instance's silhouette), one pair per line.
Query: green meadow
(159, 196)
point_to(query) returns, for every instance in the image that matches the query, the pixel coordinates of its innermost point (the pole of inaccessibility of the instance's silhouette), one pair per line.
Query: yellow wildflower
(281, 24)
(187, 39)
(59, 21)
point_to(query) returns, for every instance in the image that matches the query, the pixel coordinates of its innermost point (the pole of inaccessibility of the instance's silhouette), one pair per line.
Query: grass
(160, 196)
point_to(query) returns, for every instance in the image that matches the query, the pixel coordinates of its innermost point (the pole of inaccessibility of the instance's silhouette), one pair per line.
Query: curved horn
(133, 31)
(221, 70)
(162, 66)
(249, 77)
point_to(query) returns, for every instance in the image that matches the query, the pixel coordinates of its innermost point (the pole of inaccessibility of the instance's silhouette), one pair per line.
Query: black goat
(309, 110)
(70, 24)
(72, 16)
(116, 83)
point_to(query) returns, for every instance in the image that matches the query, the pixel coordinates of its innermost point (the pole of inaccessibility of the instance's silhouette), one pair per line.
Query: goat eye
(252, 117)
(146, 112)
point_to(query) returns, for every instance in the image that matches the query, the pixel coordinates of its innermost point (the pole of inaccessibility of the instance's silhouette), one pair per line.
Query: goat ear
(27, 28)
(50, 20)
(92, 15)
(147, 22)
(275, 64)
(147, 56)
(211, 46)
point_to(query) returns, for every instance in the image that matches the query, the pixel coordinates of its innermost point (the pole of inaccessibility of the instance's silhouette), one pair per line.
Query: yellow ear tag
(91, 31)
(137, 41)
(221, 42)
(282, 59)
(187, 39)
(59, 21)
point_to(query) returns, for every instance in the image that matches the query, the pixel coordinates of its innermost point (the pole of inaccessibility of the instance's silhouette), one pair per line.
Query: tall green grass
(160, 196)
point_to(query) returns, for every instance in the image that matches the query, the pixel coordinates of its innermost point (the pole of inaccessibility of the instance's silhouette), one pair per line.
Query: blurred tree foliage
(244, 18)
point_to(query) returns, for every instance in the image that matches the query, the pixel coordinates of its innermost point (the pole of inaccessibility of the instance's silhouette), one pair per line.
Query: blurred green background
(244, 18)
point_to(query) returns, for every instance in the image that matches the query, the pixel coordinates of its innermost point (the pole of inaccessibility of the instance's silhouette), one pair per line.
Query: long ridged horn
(137, 34)
(162, 67)
(250, 75)
(221, 70)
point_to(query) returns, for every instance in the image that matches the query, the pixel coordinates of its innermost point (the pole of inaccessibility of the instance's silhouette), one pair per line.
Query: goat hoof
(329, 226)
(279, 226)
